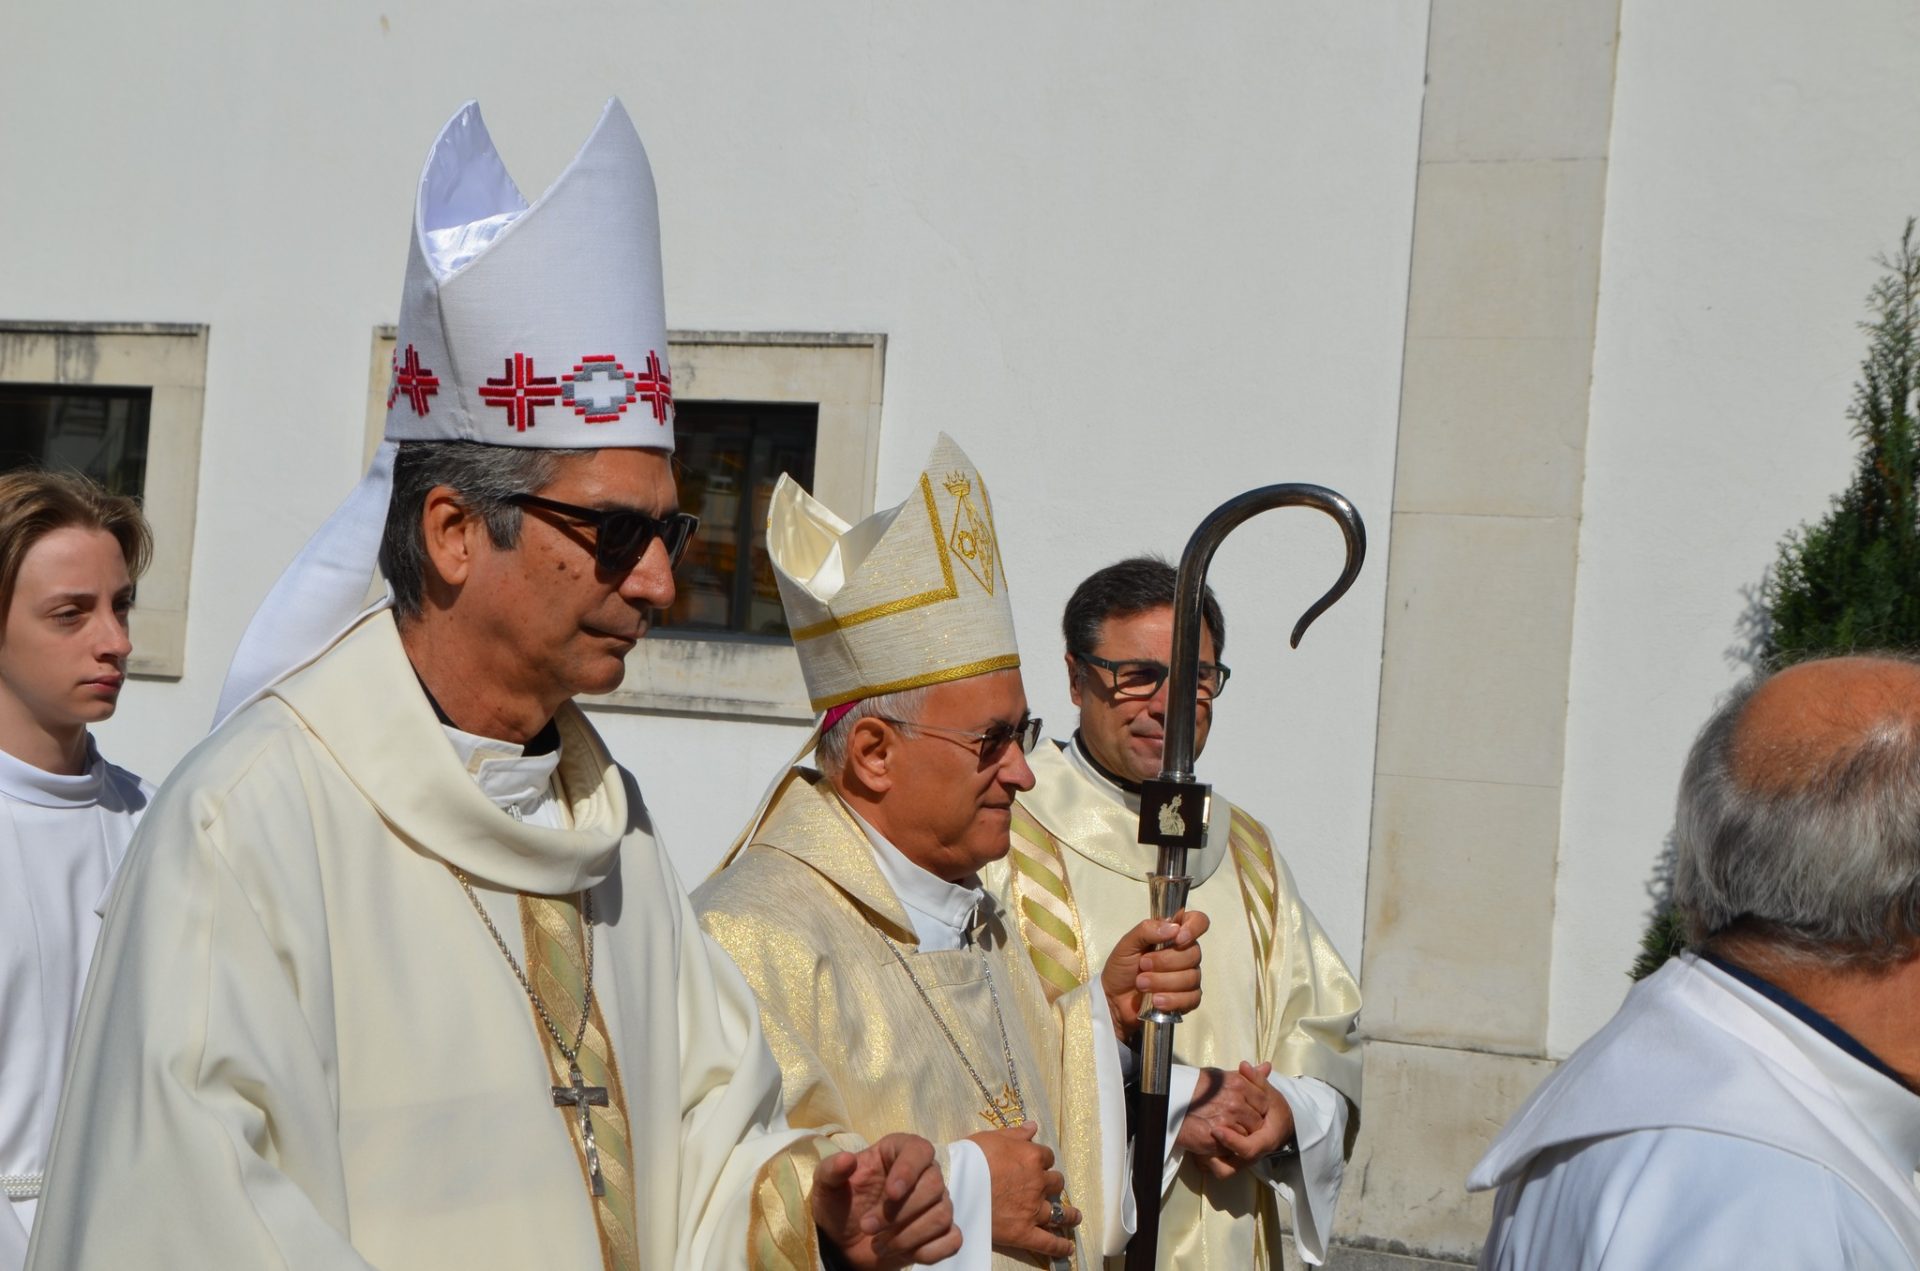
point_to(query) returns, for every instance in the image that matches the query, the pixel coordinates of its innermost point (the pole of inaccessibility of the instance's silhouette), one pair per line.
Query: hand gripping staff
(1174, 807)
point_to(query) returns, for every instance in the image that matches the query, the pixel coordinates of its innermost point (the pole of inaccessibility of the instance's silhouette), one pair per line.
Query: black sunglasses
(622, 535)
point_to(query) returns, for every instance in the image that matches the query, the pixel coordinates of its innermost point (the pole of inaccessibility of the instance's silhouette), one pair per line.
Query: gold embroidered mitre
(913, 595)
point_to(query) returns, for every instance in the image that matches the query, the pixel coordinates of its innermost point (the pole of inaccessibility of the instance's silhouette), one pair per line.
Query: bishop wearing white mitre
(893, 990)
(399, 975)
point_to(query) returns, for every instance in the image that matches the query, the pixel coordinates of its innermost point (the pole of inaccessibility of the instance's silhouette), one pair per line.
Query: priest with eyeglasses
(893, 989)
(1273, 1052)
(398, 974)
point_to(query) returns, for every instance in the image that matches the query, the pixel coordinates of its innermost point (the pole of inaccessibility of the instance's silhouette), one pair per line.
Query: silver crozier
(1174, 807)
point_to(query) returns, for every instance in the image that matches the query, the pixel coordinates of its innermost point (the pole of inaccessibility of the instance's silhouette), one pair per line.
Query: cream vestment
(302, 1049)
(1274, 990)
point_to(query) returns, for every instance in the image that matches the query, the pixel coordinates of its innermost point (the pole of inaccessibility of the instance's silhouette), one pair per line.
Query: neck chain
(569, 1050)
(576, 1094)
(1010, 1108)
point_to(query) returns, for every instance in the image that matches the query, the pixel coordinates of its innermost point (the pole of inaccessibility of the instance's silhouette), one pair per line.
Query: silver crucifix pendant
(582, 1096)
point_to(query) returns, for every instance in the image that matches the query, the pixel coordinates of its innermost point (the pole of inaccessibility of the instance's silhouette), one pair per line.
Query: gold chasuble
(1276, 989)
(302, 1049)
(808, 916)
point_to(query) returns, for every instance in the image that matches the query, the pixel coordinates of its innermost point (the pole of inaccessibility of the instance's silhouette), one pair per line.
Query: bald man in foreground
(1753, 1103)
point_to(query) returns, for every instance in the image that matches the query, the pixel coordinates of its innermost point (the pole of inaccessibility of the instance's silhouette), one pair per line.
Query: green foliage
(1852, 581)
(1666, 936)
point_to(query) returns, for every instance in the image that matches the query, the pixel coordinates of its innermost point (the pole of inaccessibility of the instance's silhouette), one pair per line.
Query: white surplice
(302, 1049)
(1707, 1126)
(61, 839)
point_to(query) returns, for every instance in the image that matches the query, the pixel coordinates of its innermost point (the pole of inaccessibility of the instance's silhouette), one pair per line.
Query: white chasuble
(808, 915)
(302, 1048)
(61, 838)
(1707, 1125)
(1273, 990)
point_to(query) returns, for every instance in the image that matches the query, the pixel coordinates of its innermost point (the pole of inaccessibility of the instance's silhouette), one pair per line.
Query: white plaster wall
(1135, 259)
(1762, 157)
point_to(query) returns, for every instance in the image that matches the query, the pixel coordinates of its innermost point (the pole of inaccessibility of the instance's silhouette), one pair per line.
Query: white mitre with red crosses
(520, 325)
(534, 326)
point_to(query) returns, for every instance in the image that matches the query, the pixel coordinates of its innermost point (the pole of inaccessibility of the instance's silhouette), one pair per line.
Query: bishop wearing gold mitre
(893, 990)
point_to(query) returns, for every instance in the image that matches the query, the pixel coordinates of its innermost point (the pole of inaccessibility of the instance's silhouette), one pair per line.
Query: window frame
(169, 360)
(719, 674)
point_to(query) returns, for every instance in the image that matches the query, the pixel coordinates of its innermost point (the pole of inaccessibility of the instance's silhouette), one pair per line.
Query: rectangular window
(100, 432)
(730, 455)
(121, 402)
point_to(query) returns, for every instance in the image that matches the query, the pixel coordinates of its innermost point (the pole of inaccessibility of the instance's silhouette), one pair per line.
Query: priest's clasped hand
(886, 1206)
(1237, 1119)
(1026, 1189)
(1137, 970)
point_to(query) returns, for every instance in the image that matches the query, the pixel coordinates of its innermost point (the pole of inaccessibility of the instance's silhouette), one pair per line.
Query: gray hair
(484, 477)
(832, 749)
(1826, 870)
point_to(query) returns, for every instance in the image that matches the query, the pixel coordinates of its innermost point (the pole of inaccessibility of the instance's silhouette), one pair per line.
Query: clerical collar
(943, 913)
(1813, 1019)
(1106, 773)
(517, 778)
(22, 781)
(1201, 864)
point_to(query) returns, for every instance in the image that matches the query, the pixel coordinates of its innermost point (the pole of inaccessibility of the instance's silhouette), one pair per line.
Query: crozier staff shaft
(1174, 807)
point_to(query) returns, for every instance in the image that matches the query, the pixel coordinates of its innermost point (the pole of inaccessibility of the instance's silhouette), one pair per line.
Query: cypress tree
(1852, 580)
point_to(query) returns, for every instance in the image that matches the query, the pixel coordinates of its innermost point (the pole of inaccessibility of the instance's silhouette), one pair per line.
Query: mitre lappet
(520, 325)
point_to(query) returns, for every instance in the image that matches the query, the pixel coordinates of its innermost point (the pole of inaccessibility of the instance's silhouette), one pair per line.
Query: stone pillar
(1480, 588)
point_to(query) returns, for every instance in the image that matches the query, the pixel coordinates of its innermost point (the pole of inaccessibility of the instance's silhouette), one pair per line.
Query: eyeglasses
(987, 745)
(1143, 679)
(622, 535)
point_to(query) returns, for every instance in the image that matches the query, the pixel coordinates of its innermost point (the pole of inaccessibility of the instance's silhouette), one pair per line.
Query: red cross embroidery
(520, 391)
(413, 379)
(599, 389)
(656, 387)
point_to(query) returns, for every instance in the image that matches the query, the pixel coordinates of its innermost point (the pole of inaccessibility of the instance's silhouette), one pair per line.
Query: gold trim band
(1005, 662)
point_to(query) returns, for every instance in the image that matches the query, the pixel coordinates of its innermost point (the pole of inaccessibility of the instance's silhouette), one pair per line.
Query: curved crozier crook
(1176, 769)
(1177, 756)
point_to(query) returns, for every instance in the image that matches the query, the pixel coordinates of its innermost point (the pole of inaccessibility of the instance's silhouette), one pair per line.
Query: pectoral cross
(1005, 1112)
(583, 1096)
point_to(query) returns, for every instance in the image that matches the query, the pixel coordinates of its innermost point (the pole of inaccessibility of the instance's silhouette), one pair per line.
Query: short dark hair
(484, 477)
(1126, 588)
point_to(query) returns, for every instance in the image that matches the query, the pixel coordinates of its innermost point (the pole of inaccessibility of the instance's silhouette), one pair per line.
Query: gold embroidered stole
(1253, 863)
(1050, 924)
(555, 945)
(1056, 941)
(1049, 920)
(781, 1235)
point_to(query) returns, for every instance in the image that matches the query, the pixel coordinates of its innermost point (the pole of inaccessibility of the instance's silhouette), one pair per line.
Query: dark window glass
(730, 456)
(99, 431)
